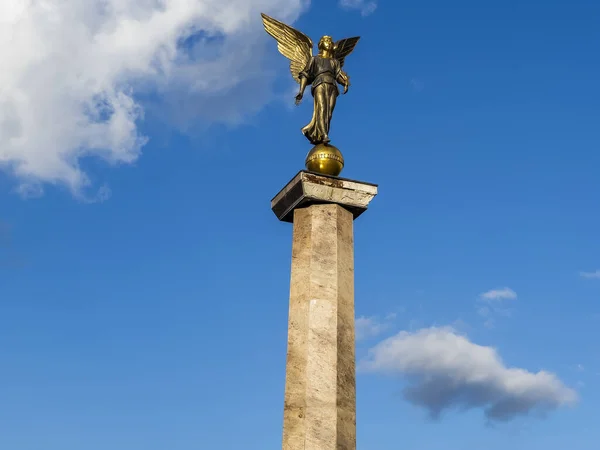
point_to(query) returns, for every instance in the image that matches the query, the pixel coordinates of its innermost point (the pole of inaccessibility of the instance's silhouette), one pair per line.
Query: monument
(320, 385)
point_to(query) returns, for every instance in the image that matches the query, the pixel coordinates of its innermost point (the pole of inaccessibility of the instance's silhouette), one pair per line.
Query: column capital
(310, 188)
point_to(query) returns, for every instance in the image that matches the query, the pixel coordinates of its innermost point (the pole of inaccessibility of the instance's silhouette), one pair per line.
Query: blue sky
(144, 285)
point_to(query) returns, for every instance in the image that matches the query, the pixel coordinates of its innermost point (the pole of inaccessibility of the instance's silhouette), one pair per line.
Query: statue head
(326, 45)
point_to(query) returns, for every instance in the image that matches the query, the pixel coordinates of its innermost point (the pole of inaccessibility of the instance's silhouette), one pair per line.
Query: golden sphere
(325, 159)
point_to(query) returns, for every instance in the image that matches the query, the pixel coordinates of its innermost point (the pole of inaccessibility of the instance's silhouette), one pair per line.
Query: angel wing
(291, 43)
(344, 47)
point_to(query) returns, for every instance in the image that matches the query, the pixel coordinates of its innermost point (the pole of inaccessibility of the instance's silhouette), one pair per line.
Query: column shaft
(320, 390)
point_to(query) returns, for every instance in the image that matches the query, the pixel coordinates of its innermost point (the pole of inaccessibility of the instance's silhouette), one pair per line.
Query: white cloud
(78, 75)
(368, 327)
(489, 323)
(365, 7)
(493, 305)
(499, 294)
(445, 370)
(590, 275)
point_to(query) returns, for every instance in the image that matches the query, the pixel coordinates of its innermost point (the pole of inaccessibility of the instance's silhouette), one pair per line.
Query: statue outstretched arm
(305, 77)
(303, 83)
(343, 79)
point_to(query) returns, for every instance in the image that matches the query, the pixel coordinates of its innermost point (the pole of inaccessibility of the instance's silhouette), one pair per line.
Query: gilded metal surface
(325, 159)
(322, 71)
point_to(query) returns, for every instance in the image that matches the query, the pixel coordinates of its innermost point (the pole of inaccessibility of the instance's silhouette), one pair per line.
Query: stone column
(320, 388)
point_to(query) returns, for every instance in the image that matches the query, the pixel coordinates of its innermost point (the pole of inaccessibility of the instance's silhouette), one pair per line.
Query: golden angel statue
(323, 72)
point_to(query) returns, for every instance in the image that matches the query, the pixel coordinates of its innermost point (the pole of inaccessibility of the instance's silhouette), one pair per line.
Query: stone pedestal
(320, 388)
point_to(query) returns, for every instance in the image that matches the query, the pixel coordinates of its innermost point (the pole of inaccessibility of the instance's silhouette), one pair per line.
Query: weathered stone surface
(320, 390)
(308, 188)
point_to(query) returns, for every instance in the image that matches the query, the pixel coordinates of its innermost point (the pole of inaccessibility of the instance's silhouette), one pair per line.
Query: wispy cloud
(78, 77)
(445, 371)
(590, 275)
(499, 294)
(491, 304)
(365, 7)
(369, 327)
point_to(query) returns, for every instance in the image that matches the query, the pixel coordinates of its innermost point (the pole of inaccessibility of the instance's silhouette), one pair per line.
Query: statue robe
(323, 74)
